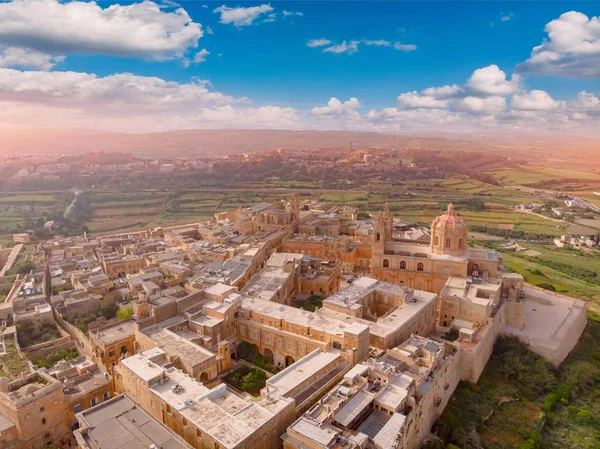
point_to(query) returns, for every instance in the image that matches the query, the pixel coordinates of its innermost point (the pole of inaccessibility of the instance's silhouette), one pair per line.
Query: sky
(374, 66)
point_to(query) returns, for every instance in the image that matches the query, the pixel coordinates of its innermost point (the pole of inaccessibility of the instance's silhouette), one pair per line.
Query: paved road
(72, 203)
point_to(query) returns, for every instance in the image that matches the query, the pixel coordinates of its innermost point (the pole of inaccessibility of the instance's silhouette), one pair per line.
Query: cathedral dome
(449, 220)
(449, 233)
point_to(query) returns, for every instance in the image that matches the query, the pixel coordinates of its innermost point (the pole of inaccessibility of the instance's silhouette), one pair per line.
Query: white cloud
(378, 43)
(318, 42)
(404, 47)
(352, 46)
(572, 48)
(349, 48)
(486, 82)
(586, 103)
(270, 18)
(413, 100)
(483, 106)
(535, 100)
(443, 92)
(25, 58)
(209, 30)
(127, 101)
(506, 17)
(197, 59)
(490, 81)
(137, 30)
(242, 16)
(292, 13)
(335, 108)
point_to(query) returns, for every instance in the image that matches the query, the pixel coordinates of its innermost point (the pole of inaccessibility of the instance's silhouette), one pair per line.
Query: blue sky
(270, 62)
(267, 60)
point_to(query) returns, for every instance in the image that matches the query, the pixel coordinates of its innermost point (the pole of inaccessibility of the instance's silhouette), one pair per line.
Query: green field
(19, 212)
(572, 272)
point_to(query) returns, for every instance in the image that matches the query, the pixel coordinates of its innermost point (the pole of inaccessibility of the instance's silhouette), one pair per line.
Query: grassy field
(117, 211)
(412, 201)
(533, 175)
(19, 211)
(570, 271)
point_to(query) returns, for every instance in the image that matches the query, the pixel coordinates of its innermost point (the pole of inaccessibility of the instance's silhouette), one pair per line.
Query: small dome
(449, 220)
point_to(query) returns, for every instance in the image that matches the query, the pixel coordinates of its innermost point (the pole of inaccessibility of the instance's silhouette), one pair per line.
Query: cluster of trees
(448, 163)
(311, 303)
(516, 372)
(30, 333)
(249, 380)
(510, 233)
(52, 359)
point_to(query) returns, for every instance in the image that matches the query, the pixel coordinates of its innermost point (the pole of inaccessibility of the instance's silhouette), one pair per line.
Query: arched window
(378, 236)
(419, 267)
(448, 243)
(386, 263)
(460, 243)
(403, 265)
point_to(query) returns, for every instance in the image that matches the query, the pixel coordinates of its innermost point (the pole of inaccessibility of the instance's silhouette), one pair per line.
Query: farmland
(26, 211)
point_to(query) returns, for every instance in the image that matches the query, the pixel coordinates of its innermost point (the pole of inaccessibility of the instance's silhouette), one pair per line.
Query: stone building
(120, 422)
(205, 417)
(268, 217)
(111, 344)
(427, 267)
(32, 412)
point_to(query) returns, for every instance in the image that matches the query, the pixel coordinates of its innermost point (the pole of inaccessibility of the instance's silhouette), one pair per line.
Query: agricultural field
(19, 212)
(120, 211)
(570, 180)
(569, 271)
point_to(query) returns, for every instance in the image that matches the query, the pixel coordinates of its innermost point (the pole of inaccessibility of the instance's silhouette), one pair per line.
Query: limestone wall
(474, 356)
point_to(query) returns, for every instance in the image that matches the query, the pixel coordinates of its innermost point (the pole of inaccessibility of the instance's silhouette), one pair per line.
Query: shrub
(547, 286)
(585, 418)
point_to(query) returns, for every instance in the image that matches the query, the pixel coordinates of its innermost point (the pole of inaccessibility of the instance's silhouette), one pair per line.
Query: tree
(23, 267)
(125, 313)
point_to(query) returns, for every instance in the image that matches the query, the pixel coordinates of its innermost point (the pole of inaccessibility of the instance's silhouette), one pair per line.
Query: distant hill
(557, 148)
(200, 142)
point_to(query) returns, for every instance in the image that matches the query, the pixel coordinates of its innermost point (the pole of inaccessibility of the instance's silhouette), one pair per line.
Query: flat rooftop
(296, 374)
(315, 320)
(546, 315)
(189, 352)
(265, 284)
(116, 333)
(121, 423)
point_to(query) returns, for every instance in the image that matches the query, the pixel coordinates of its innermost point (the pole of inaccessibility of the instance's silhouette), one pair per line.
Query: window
(419, 267)
(111, 354)
(386, 263)
(436, 241)
(322, 338)
(403, 265)
(106, 395)
(77, 408)
(337, 345)
(43, 421)
(448, 241)
(378, 236)
(46, 435)
(93, 402)
(168, 409)
(184, 422)
(446, 270)
(41, 409)
(198, 433)
(460, 243)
